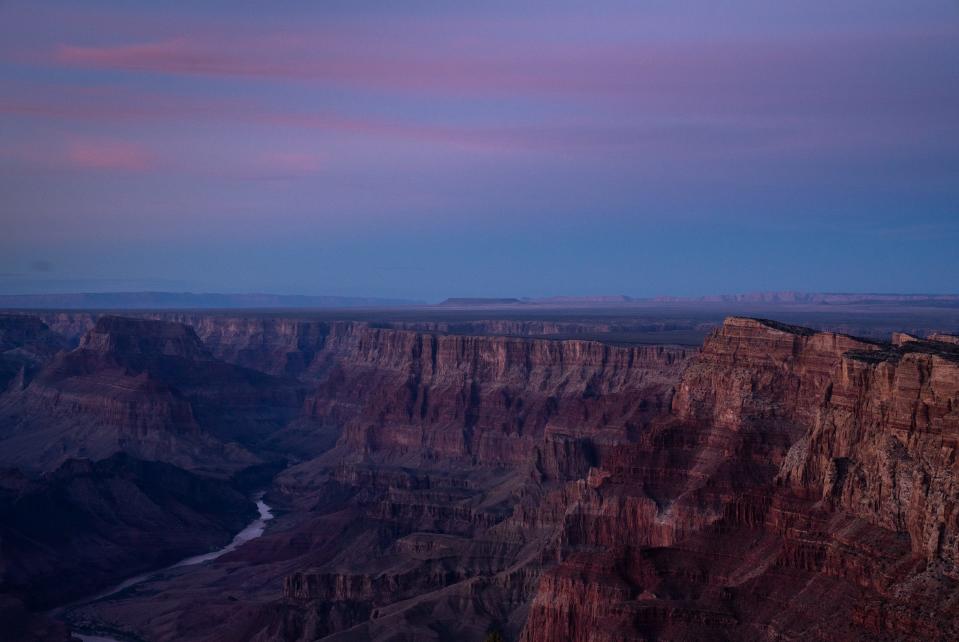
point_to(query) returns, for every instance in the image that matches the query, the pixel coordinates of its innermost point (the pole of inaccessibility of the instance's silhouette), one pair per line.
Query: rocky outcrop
(884, 447)
(140, 342)
(755, 373)
(797, 465)
(944, 338)
(69, 325)
(276, 345)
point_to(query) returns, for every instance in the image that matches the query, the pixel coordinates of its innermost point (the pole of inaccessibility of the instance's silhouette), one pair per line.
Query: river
(253, 530)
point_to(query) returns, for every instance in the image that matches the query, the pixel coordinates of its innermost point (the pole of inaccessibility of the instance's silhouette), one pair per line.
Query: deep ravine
(253, 530)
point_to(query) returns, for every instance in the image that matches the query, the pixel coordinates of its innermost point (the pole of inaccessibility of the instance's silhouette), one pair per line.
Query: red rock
(944, 338)
(860, 501)
(781, 483)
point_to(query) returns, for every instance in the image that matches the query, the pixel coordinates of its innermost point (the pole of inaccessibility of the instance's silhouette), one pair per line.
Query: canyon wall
(148, 388)
(485, 399)
(26, 344)
(809, 491)
(780, 483)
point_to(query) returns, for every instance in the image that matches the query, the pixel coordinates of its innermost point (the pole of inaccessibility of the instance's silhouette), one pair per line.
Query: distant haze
(188, 300)
(430, 149)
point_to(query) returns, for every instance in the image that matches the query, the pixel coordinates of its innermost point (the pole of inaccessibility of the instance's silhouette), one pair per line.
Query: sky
(432, 149)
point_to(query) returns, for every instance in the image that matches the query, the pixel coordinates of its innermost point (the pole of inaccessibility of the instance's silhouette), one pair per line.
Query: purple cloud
(340, 118)
(109, 155)
(82, 154)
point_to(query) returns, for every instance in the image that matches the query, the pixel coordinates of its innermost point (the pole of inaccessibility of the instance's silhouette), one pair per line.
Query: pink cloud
(680, 134)
(108, 155)
(677, 96)
(86, 154)
(135, 107)
(644, 61)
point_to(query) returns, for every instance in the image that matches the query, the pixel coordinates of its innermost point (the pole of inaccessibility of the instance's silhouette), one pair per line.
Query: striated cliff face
(148, 388)
(755, 374)
(944, 338)
(143, 340)
(884, 447)
(69, 325)
(808, 491)
(486, 399)
(276, 345)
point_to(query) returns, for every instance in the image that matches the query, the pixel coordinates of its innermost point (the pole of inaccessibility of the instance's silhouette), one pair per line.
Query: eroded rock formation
(780, 484)
(148, 388)
(811, 495)
(26, 344)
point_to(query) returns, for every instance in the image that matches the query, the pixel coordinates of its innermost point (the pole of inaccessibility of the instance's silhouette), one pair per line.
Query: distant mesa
(774, 298)
(262, 301)
(551, 300)
(189, 301)
(473, 301)
(944, 338)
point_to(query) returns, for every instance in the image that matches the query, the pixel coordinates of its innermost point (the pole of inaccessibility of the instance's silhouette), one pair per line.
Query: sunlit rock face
(812, 493)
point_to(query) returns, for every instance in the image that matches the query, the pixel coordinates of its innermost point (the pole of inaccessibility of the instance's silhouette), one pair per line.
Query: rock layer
(779, 484)
(809, 492)
(148, 388)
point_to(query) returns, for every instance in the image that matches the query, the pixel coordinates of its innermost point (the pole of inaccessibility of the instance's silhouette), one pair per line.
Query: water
(253, 530)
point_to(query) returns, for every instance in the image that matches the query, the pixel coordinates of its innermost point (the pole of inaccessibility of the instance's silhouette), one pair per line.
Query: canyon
(453, 477)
